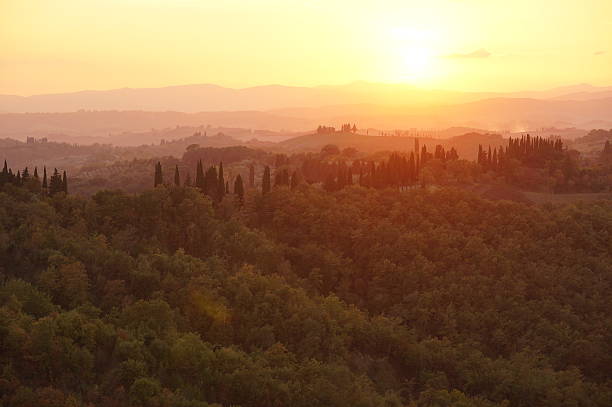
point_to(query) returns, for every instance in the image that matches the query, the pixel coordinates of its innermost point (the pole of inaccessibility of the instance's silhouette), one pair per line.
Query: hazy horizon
(560, 86)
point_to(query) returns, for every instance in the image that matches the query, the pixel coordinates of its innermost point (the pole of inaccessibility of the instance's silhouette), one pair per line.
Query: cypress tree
(265, 186)
(55, 184)
(411, 169)
(239, 189)
(45, 186)
(251, 176)
(211, 183)
(159, 178)
(220, 183)
(177, 176)
(494, 159)
(200, 176)
(36, 172)
(423, 155)
(65, 183)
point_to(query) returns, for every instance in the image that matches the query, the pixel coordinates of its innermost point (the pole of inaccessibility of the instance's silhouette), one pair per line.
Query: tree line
(398, 171)
(55, 184)
(211, 183)
(530, 151)
(345, 128)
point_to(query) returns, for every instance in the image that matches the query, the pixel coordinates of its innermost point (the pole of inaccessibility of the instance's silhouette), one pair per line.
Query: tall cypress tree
(239, 189)
(251, 176)
(4, 174)
(65, 183)
(45, 186)
(55, 183)
(25, 175)
(35, 172)
(177, 176)
(159, 178)
(265, 186)
(220, 183)
(200, 176)
(211, 183)
(412, 169)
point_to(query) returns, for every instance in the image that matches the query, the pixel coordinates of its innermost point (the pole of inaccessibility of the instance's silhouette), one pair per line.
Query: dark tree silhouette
(266, 186)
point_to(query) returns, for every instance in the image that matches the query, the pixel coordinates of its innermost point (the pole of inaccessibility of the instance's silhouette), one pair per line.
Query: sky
(49, 46)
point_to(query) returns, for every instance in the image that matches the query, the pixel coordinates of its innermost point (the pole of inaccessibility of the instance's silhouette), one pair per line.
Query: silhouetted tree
(265, 185)
(177, 177)
(239, 189)
(221, 183)
(251, 176)
(211, 183)
(159, 179)
(44, 182)
(200, 176)
(64, 182)
(55, 183)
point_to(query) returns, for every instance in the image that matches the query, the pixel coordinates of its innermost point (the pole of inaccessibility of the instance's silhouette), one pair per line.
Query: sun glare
(417, 61)
(413, 50)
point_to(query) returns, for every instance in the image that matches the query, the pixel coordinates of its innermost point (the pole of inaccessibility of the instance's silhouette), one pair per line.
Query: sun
(413, 50)
(417, 61)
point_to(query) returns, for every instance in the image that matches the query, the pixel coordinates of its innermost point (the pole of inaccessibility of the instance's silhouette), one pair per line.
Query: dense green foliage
(361, 297)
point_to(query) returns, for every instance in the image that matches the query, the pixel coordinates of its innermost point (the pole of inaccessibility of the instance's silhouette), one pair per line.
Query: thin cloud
(599, 53)
(479, 53)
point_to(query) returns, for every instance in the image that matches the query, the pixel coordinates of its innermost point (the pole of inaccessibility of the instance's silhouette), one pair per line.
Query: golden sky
(498, 45)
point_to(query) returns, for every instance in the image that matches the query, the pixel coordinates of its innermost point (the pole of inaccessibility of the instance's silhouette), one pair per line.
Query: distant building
(32, 140)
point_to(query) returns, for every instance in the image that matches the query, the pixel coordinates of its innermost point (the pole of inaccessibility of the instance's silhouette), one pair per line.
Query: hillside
(383, 299)
(466, 145)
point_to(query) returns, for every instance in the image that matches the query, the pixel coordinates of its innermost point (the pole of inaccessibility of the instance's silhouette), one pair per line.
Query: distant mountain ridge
(300, 109)
(211, 98)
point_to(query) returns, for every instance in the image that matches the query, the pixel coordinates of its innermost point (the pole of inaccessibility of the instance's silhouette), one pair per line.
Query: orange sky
(66, 45)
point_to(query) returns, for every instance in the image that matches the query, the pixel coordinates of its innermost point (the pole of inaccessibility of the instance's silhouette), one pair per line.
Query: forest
(194, 295)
